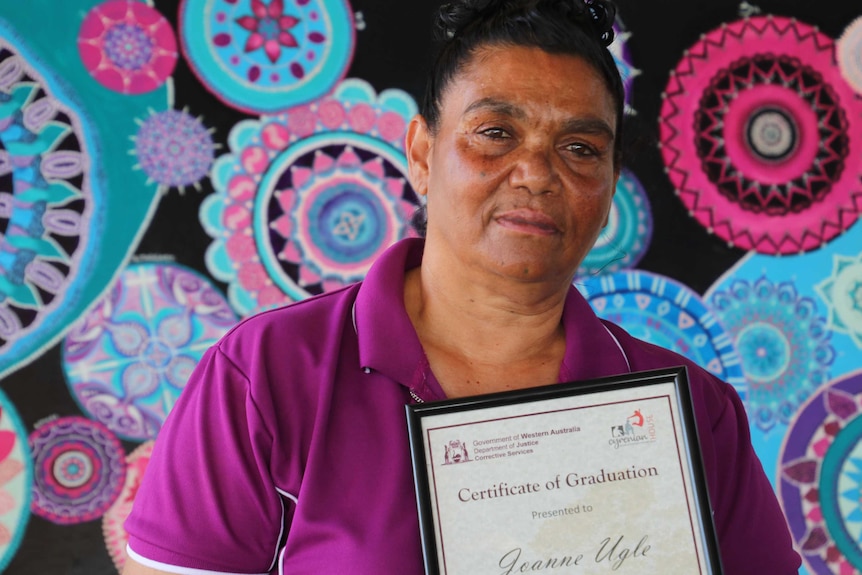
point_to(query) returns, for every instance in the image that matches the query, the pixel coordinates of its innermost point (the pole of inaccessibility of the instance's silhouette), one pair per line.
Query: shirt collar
(389, 344)
(387, 341)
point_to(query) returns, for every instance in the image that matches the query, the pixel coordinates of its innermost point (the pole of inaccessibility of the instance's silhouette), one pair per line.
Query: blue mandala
(331, 204)
(661, 311)
(625, 239)
(264, 57)
(783, 344)
(307, 199)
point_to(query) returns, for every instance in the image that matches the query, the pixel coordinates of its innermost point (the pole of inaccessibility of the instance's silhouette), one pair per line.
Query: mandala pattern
(263, 58)
(174, 149)
(309, 198)
(783, 344)
(115, 534)
(128, 359)
(761, 136)
(849, 52)
(16, 478)
(127, 46)
(619, 49)
(820, 473)
(626, 238)
(842, 292)
(668, 314)
(80, 468)
(44, 197)
(71, 206)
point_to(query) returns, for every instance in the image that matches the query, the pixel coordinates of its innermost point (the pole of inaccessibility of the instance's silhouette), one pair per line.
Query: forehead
(531, 80)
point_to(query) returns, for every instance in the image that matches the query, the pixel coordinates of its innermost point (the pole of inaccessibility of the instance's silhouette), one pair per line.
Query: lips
(528, 221)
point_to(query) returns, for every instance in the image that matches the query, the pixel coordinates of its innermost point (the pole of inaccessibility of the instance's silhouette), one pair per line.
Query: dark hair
(577, 27)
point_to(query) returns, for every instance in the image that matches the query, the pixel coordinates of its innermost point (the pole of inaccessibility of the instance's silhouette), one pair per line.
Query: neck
(484, 334)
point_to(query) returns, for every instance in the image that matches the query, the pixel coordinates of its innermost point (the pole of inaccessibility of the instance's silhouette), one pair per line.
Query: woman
(287, 452)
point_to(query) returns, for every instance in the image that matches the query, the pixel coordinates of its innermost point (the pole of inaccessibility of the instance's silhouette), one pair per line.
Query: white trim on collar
(622, 351)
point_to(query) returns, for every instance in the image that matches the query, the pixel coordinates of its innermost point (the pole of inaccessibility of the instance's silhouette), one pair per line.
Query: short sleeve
(751, 528)
(207, 500)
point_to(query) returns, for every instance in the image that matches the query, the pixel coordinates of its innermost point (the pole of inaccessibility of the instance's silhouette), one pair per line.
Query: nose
(534, 170)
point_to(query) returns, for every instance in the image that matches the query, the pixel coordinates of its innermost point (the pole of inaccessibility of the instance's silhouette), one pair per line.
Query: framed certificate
(599, 476)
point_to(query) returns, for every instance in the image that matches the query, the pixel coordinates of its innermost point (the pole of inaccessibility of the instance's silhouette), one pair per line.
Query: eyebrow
(496, 105)
(574, 125)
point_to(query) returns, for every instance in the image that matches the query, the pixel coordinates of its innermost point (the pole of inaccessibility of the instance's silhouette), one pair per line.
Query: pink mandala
(115, 534)
(761, 136)
(127, 46)
(79, 469)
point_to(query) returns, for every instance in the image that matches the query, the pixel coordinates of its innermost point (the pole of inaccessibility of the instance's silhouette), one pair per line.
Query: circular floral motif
(128, 359)
(626, 238)
(849, 52)
(79, 470)
(307, 199)
(335, 203)
(820, 478)
(174, 149)
(16, 478)
(760, 136)
(842, 292)
(661, 311)
(127, 46)
(261, 58)
(782, 342)
(44, 198)
(115, 534)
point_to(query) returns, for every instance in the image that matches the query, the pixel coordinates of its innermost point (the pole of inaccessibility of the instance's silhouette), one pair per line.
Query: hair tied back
(602, 14)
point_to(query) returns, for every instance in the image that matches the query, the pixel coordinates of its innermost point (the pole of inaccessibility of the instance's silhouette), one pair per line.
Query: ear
(418, 147)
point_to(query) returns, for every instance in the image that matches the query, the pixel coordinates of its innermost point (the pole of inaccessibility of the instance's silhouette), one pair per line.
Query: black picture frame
(419, 415)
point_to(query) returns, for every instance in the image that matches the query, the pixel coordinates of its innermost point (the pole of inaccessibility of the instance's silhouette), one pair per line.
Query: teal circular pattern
(262, 58)
(72, 204)
(624, 240)
(783, 343)
(819, 480)
(840, 481)
(666, 313)
(770, 351)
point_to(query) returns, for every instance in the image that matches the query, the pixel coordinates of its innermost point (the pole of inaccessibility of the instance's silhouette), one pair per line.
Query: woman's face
(519, 174)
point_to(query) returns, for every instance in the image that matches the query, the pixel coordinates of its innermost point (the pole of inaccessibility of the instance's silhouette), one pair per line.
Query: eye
(495, 133)
(582, 149)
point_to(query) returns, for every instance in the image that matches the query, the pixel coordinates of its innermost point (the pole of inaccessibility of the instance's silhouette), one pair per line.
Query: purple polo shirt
(287, 452)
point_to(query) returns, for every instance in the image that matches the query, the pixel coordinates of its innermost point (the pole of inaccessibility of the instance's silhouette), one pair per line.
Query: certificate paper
(602, 476)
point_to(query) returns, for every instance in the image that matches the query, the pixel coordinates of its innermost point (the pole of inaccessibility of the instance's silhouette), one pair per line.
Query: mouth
(528, 221)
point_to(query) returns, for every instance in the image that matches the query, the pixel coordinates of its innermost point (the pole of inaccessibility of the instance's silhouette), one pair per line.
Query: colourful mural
(168, 167)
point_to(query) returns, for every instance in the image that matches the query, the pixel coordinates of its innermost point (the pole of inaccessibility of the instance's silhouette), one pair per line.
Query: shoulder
(315, 321)
(711, 395)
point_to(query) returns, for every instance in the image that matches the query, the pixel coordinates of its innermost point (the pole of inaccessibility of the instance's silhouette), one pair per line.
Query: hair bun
(602, 15)
(595, 15)
(455, 16)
